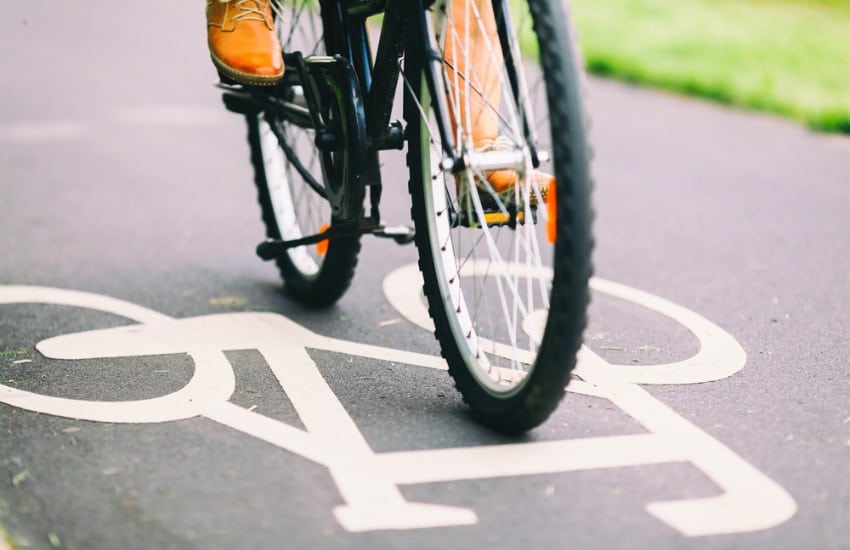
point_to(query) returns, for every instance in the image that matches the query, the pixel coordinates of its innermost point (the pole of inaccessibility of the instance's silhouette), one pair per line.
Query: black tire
(507, 386)
(316, 275)
(311, 278)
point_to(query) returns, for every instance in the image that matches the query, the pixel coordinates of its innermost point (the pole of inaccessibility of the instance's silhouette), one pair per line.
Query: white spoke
(495, 258)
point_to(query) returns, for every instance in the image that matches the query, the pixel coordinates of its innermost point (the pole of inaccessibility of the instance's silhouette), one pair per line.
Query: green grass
(789, 57)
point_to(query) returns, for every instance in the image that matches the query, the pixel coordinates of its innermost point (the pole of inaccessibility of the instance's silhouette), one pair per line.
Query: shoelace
(249, 13)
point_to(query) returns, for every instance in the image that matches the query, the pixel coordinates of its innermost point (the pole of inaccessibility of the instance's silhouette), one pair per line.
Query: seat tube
(381, 95)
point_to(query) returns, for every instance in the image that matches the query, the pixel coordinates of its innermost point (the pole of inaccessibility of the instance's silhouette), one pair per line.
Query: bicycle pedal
(401, 234)
(495, 218)
(237, 98)
(240, 105)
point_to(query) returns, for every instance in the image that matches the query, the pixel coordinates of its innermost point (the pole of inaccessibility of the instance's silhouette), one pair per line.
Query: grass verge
(788, 57)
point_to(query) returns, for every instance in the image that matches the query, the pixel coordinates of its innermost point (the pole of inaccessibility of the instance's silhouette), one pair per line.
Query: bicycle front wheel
(505, 265)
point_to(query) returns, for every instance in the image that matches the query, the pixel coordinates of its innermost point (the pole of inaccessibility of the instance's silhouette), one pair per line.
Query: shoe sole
(245, 78)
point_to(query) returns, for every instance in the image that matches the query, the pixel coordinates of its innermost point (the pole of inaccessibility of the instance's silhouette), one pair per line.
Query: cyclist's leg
(472, 49)
(507, 296)
(475, 83)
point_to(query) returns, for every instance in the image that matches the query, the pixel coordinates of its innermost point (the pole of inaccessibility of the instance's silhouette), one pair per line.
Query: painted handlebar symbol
(369, 481)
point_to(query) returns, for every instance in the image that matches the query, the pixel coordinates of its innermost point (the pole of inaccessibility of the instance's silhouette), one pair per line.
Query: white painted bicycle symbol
(369, 482)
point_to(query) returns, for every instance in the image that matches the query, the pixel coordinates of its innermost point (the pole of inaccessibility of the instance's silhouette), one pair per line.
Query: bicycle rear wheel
(289, 172)
(508, 304)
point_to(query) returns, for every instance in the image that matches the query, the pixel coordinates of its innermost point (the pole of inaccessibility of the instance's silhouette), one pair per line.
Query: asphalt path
(122, 176)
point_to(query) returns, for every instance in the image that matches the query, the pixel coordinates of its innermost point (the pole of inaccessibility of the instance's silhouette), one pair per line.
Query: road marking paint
(750, 500)
(382, 354)
(368, 482)
(719, 356)
(266, 429)
(518, 459)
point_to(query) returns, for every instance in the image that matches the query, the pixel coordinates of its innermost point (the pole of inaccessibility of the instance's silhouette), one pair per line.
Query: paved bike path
(124, 178)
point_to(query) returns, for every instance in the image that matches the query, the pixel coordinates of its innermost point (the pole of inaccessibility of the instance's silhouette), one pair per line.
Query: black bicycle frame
(406, 35)
(400, 34)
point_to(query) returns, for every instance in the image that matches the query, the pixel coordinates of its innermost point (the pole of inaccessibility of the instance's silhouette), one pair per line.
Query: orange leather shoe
(242, 40)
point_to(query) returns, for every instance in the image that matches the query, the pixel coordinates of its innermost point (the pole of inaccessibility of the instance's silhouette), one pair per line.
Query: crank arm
(273, 248)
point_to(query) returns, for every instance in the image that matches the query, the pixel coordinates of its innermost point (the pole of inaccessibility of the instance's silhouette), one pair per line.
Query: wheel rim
(496, 280)
(298, 210)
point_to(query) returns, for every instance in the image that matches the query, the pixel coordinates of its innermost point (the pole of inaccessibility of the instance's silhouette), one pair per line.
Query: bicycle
(505, 275)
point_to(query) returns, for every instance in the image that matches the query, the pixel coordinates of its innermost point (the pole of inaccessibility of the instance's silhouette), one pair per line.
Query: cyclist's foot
(242, 41)
(502, 183)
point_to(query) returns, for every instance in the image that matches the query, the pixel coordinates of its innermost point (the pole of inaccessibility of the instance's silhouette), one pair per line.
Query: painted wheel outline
(719, 356)
(748, 500)
(205, 386)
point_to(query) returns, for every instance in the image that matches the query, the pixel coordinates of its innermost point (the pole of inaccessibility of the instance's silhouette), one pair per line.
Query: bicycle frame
(369, 90)
(379, 81)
